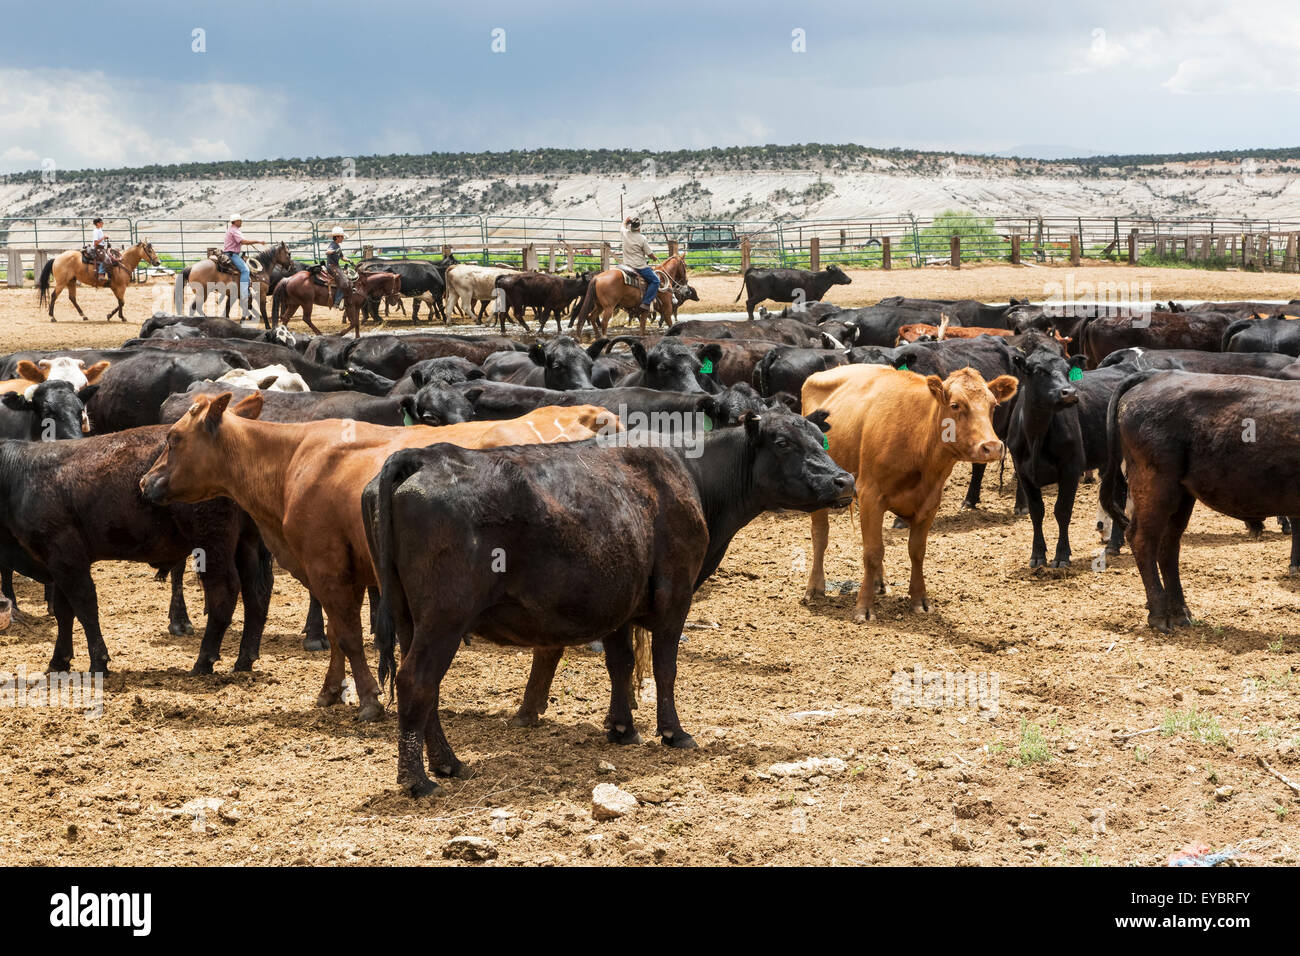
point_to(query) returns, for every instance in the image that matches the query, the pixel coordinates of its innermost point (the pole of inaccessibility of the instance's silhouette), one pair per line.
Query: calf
(132, 390)
(1179, 436)
(673, 366)
(67, 505)
(437, 371)
(302, 484)
(785, 369)
(319, 378)
(549, 296)
(1265, 364)
(560, 364)
(788, 285)
(53, 410)
(900, 434)
(437, 552)
(1057, 432)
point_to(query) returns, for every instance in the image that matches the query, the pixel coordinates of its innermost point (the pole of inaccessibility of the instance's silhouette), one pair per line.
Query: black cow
(391, 355)
(879, 324)
(782, 331)
(969, 312)
(787, 285)
(132, 390)
(164, 326)
(54, 411)
(1057, 432)
(1262, 335)
(803, 311)
(1153, 330)
(547, 295)
(295, 406)
(673, 366)
(319, 378)
(560, 364)
(784, 369)
(417, 278)
(449, 370)
(1266, 364)
(674, 517)
(872, 355)
(67, 505)
(1181, 440)
(501, 400)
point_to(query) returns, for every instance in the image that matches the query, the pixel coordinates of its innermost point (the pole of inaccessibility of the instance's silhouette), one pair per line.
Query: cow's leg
(749, 306)
(220, 582)
(1153, 508)
(1170, 547)
(1295, 548)
(664, 642)
(424, 661)
(1066, 489)
(537, 693)
(256, 581)
(78, 589)
(178, 615)
(7, 589)
(346, 635)
(314, 630)
(918, 534)
(61, 659)
(821, 532)
(1034, 499)
(972, 499)
(871, 515)
(620, 662)
(1022, 504)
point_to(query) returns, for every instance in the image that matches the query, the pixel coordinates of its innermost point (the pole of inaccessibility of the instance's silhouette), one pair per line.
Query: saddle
(633, 278)
(224, 264)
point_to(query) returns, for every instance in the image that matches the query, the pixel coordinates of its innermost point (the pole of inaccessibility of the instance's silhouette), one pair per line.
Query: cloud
(1107, 50)
(87, 119)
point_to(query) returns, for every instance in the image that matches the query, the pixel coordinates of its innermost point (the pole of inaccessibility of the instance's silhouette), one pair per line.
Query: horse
(609, 291)
(204, 278)
(302, 290)
(67, 269)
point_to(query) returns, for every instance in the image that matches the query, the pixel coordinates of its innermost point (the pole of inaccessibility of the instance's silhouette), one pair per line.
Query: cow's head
(358, 379)
(1045, 378)
(731, 405)
(837, 276)
(966, 404)
(58, 411)
(790, 465)
(434, 405)
(196, 451)
(565, 363)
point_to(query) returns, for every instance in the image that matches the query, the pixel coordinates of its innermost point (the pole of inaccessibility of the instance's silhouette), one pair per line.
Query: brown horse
(67, 270)
(301, 290)
(608, 291)
(203, 278)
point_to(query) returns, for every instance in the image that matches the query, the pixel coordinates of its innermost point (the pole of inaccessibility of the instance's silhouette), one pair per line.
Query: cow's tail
(744, 283)
(394, 612)
(1114, 489)
(1232, 329)
(44, 284)
(643, 666)
(762, 371)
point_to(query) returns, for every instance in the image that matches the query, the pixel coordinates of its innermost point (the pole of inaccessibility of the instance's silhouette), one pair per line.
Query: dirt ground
(1040, 775)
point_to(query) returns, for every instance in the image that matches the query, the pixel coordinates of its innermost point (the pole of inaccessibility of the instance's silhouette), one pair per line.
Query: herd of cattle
(478, 485)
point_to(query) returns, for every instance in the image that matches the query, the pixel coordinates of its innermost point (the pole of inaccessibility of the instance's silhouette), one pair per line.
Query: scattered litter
(1198, 854)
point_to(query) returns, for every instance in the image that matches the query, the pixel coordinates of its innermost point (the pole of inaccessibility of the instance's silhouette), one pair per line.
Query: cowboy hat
(338, 231)
(236, 218)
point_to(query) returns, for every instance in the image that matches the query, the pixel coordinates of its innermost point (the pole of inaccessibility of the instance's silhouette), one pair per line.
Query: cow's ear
(596, 347)
(214, 411)
(87, 393)
(785, 398)
(250, 406)
(268, 380)
(751, 423)
(407, 407)
(472, 395)
(1078, 361)
(31, 371)
(16, 401)
(935, 384)
(95, 371)
(537, 355)
(819, 417)
(1018, 359)
(712, 352)
(1004, 388)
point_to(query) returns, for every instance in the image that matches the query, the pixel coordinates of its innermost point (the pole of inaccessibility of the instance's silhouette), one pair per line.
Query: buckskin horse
(67, 269)
(204, 278)
(302, 290)
(609, 291)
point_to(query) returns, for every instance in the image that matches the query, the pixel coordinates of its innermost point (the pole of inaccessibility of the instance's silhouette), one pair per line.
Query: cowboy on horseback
(99, 248)
(233, 247)
(636, 250)
(333, 255)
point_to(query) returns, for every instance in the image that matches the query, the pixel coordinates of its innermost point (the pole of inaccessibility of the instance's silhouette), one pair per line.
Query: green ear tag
(826, 441)
(406, 418)
(1076, 373)
(903, 367)
(708, 423)
(706, 367)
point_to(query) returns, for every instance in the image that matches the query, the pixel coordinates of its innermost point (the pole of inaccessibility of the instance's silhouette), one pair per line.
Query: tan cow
(900, 434)
(468, 286)
(60, 369)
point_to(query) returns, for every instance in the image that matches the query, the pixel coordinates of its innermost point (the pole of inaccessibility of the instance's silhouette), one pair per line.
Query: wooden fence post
(1074, 250)
(1132, 247)
(814, 254)
(954, 252)
(367, 251)
(446, 250)
(605, 253)
(1015, 248)
(14, 278)
(672, 248)
(530, 258)
(886, 258)
(744, 254)
(1288, 262)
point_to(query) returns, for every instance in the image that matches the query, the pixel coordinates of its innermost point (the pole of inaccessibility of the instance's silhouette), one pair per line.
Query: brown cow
(900, 434)
(302, 484)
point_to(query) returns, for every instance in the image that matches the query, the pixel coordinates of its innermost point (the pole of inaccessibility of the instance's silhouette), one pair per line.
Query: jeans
(652, 285)
(244, 274)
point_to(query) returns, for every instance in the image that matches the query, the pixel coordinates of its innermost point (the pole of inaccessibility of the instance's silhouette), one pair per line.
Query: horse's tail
(44, 284)
(584, 310)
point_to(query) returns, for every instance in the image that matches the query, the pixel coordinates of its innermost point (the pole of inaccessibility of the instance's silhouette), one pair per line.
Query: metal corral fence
(571, 244)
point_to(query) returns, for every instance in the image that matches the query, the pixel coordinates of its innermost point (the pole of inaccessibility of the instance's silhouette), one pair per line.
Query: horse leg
(121, 303)
(57, 289)
(306, 317)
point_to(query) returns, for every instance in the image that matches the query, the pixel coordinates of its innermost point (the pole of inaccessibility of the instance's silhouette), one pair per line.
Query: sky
(134, 85)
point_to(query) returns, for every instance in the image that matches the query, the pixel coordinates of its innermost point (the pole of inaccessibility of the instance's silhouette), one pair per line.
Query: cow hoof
(315, 644)
(1021, 510)
(371, 710)
(679, 740)
(523, 719)
(420, 788)
(922, 606)
(969, 505)
(862, 616)
(201, 666)
(455, 769)
(1037, 562)
(59, 665)
(1159, 623)
(1295, 569)
(99, 667)
(812, 594)
(1061, 563)
(243, 664)
(625, 737)
(1112, 551)
(328, 698)
(180, 629)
